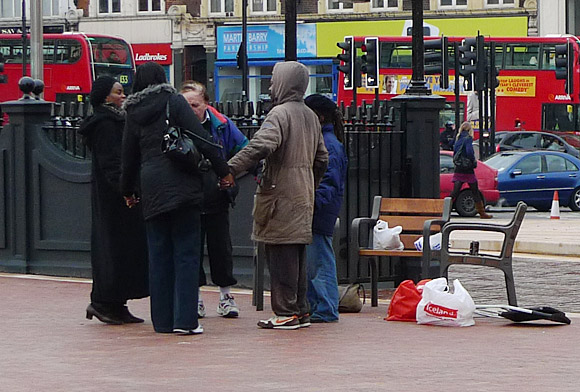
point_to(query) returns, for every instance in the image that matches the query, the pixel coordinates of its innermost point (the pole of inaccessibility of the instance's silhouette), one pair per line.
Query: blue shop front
(266, 48)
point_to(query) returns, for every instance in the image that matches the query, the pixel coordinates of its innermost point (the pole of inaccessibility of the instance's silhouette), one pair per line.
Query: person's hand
(227, 181)
(131, 201)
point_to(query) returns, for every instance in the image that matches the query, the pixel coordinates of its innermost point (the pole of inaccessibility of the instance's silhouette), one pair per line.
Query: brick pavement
(48, 345)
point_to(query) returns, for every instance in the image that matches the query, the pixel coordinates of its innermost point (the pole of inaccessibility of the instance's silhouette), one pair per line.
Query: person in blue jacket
(321, 264)
(215, 221)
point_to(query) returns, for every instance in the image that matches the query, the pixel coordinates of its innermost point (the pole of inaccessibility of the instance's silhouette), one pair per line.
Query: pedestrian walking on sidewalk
(290, 140)
(464, 164)
(171, 197)
(321, 264)
(118, 242)
(215, 215)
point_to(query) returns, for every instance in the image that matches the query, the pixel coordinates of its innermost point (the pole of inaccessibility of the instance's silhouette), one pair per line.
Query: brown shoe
(481, 210)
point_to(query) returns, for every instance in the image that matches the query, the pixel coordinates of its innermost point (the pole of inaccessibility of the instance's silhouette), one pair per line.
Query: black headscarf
(101, 90)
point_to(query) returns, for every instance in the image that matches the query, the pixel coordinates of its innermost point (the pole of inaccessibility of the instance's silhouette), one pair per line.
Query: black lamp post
(418, 117)
(418, 85)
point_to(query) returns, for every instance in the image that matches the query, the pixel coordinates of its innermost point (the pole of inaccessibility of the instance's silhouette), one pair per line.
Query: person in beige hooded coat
(291, 142)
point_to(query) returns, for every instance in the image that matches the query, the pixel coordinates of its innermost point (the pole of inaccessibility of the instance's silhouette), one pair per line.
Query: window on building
(10, 8)
(50, 7)
(263, 6)
(336, 5)
(452, 3)
(221, 6)
(109, 6)
(391, 5)
(500, 3)
(149, 5)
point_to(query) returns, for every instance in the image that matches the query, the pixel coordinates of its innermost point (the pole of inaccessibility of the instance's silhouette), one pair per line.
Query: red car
(486, 179)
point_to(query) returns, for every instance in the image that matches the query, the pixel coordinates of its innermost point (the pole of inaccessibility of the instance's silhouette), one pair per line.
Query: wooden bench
(417, 217)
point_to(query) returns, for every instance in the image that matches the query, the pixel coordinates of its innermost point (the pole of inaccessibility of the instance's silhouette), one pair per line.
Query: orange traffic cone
(555, 212)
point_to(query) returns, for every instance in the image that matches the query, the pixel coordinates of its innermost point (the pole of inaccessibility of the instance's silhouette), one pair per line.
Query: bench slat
(412, 206)
(391, 253)
(409, 223)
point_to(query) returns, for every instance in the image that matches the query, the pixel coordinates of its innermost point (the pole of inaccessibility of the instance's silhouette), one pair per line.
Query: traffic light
(3, 78)
(437, 59)
(347, 57)
(480, 63)
(565, 65)
(493, 77)
(370, 61)
(467, 61)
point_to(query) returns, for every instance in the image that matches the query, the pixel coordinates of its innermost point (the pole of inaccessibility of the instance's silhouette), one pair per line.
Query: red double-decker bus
(71, 62)
(529, 94)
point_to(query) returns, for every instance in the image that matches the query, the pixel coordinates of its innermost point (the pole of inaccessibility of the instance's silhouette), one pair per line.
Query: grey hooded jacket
(290, 140)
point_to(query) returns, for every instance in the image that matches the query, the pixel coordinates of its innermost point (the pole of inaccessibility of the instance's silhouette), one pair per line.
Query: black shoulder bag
(177, 145)
(462, 161)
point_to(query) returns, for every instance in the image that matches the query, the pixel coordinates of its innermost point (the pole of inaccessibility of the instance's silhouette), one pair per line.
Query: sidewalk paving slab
(47, 344)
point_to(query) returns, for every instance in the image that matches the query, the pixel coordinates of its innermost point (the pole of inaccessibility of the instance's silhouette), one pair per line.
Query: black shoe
(103, 315)
(127, 317)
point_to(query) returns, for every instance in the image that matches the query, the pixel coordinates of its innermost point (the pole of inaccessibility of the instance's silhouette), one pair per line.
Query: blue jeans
(322, 284)
(173, 241)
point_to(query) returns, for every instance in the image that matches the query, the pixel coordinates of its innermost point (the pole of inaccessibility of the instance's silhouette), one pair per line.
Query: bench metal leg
(510, 285)
(374, 264)
(258, 291)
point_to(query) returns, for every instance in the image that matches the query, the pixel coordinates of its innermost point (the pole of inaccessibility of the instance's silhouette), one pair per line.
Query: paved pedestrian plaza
(48, 345)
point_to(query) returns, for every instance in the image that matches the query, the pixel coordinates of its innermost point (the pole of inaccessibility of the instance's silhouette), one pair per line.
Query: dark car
(532, 140)
(533, 176)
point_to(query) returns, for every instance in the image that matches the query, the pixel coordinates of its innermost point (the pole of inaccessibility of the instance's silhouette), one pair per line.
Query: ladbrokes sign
(159, 53)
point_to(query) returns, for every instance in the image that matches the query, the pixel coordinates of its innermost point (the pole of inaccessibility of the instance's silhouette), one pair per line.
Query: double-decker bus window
(112, 57)
(560, 117)
(68, 51)
(522, 56)
(48, 51)
(12, 51)
(396, 55)
(548, 57)
(499, 55)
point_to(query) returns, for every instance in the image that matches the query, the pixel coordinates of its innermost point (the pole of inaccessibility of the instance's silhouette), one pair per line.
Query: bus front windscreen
(112, 57)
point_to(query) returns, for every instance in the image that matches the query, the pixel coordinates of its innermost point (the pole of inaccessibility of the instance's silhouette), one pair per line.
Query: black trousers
(215, 228)
(473, 186)
(288, 279)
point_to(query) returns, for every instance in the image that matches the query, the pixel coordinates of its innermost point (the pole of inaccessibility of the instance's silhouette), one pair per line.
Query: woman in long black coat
(118, 241)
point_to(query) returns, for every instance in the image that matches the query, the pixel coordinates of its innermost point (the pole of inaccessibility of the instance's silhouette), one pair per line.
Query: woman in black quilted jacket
(170, 197)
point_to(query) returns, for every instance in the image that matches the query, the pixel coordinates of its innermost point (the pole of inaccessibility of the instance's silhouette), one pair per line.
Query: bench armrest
(427, 252)
(355, 245)
(510, 230)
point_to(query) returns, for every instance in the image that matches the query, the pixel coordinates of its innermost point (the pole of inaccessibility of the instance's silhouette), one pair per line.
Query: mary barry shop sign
(159, 53)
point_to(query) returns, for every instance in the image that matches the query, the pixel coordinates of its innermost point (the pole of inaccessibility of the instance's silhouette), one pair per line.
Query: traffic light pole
(492, 86)
(244, 50)
(456, 85)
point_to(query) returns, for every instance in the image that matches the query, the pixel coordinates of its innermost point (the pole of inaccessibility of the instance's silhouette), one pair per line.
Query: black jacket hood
(146, 106)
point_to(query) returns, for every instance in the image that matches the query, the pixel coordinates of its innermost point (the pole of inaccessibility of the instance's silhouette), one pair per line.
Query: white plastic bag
(440, 307)
(385, 238)
(434, 242)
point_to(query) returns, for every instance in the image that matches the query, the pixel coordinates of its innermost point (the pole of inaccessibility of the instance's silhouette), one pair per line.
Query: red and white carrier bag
(439, 306)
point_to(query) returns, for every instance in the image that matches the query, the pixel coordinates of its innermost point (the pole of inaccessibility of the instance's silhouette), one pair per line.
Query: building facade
(199, 39)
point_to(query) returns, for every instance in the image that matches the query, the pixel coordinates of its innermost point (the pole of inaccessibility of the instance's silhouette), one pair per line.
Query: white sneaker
(227, 307)
(200, 309)
(197, 331)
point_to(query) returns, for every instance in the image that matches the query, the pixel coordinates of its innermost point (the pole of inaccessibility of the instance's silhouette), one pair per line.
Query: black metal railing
(375, 149)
